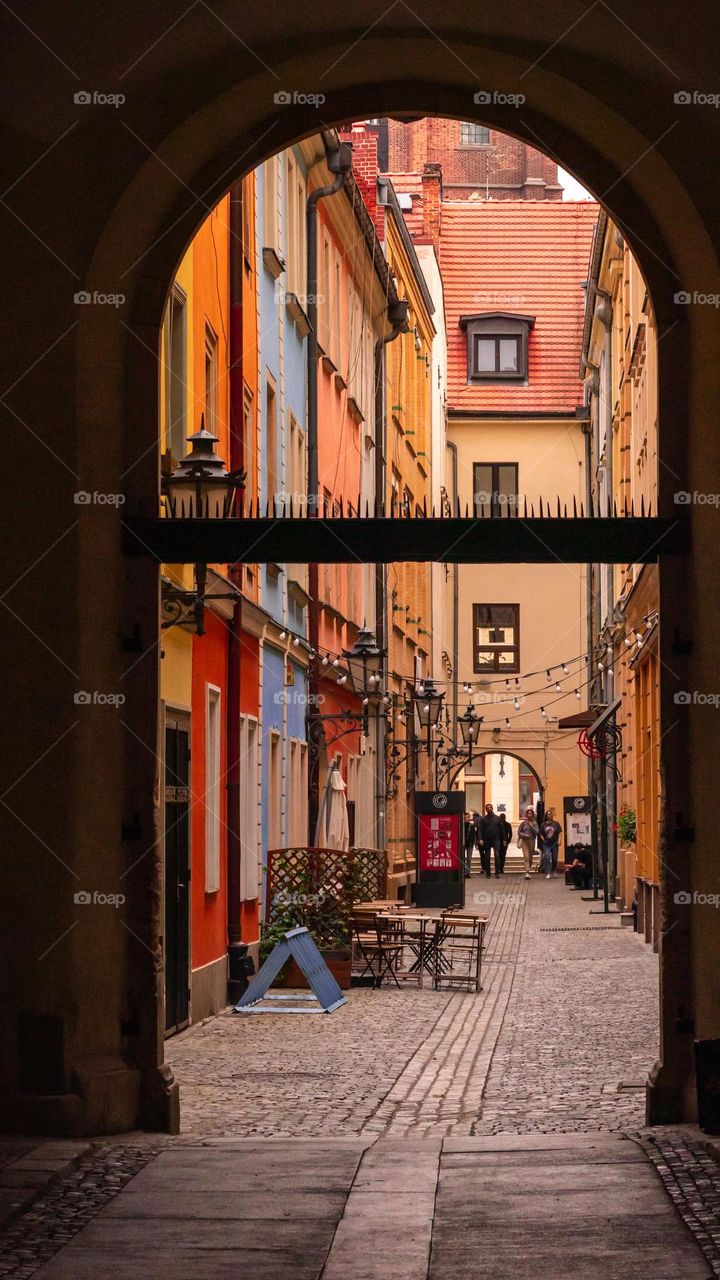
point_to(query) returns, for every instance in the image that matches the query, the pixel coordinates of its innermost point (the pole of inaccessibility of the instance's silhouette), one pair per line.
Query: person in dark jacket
(491, 836)
(506, 832)
(472, 838)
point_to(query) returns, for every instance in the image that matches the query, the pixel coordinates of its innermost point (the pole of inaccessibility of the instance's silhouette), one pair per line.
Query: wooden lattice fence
(318, 888)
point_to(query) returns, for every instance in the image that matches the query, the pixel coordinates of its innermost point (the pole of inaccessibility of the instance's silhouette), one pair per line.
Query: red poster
(439, 842)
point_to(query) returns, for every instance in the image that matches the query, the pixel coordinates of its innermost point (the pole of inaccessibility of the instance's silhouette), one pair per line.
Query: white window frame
(213, 786)
(250, 845)
(297, 793)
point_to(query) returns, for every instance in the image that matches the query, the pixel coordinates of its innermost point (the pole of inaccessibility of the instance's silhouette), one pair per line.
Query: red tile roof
(529, 257)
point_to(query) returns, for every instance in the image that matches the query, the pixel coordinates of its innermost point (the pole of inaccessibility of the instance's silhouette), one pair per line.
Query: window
(298, 794)
(295, 489)
(176, 375)
(496, 637)
(497, 354)
(271, 236)
(249, 817)
(497, 346)
(247, 194)
(250, 459)
(495, 488)
(474, 135)
(271, 440)
(213, 793)
(211, 379)
(275, 792)
(295, 252)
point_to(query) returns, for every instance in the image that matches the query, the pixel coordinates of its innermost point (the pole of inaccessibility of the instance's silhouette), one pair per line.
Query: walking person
(550, 836)
(506, 832)
(490, 834)
(527, 836)
(472, 837)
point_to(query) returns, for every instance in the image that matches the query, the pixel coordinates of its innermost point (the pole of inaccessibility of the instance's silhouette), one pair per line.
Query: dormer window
(497, 346)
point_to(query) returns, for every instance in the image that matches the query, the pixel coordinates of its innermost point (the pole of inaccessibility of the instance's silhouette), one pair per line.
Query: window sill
(297, 314)
(273, 262)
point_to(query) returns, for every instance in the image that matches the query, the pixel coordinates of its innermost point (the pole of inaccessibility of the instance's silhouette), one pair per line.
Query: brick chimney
(365, 170)
(431, 201)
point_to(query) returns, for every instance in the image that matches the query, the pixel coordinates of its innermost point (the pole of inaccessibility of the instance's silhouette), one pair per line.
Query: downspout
(397, 315)
(237, 949)
(339, 162)
(450, 444)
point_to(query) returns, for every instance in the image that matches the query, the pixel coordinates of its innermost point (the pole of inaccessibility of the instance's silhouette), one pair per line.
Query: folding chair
(458, 951)
(408, 935)
(377, 954)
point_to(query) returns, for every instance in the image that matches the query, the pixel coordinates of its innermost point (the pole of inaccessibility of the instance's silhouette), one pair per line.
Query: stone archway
(111, 209)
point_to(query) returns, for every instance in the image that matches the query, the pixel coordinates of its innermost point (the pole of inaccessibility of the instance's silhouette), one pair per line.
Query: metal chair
(377, 953)
(457, 951)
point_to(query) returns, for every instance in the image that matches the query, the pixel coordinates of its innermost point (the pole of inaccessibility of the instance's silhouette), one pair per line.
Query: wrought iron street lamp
(200, 487)
(428, 700)
(470, 723)
(364, 662)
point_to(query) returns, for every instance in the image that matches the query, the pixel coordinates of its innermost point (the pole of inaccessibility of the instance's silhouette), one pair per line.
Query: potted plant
(327, 922)
(627, 825)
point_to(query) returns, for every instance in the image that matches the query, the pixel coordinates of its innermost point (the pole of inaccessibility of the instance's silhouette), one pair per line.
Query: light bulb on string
(577, 694)
(565, 668)
(283, 635)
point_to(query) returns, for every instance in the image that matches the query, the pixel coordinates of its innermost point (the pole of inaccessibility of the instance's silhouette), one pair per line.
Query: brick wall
(506, 169)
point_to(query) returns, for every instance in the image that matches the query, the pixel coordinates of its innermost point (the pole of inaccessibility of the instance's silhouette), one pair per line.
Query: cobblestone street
(560, 1039)
(424, 1135)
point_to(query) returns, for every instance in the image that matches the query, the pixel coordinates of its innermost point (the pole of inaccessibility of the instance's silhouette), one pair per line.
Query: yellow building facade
(621, 373)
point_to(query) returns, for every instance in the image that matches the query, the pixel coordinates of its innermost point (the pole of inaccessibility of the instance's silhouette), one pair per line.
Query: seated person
(580, 866)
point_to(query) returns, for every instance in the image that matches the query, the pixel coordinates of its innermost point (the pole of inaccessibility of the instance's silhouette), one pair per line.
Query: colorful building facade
(620, 366)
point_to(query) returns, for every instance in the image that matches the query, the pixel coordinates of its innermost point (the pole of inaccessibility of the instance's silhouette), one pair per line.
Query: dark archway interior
(106, 200)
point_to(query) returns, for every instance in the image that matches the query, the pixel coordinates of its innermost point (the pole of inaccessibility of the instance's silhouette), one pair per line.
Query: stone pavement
(561, 1038)
(28, 1166)
(415, 1134)
(410, 1209)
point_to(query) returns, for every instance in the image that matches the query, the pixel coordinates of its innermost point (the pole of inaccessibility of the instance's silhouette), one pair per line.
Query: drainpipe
(398, 317)
(339, 162)
(450, 444)
(237, 949)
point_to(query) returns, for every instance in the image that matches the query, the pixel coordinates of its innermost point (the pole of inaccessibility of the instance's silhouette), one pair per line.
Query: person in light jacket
(527, 835)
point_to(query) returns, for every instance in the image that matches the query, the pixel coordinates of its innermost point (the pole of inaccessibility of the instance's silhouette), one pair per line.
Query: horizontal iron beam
(381, 540)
